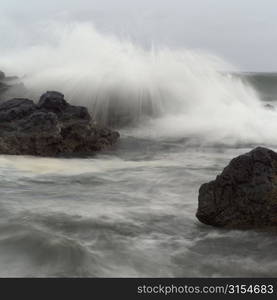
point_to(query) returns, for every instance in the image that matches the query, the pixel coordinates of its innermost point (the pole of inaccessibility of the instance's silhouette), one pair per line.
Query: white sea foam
(170, 93)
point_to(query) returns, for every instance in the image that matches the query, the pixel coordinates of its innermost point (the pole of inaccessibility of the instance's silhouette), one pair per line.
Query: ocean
(130, 211)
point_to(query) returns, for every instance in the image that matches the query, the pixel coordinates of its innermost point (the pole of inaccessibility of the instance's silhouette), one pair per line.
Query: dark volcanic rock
(244, 195)
(16, 109)
(52, 127)
(53, 101)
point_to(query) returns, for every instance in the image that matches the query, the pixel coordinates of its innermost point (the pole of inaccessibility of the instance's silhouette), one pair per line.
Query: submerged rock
(244, 195)
(53, 127)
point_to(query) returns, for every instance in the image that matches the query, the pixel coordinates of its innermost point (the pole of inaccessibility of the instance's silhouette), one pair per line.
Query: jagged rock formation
(244, 195)
(52, 127)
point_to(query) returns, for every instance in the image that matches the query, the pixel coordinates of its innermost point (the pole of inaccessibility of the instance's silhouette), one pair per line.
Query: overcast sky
(242, 31)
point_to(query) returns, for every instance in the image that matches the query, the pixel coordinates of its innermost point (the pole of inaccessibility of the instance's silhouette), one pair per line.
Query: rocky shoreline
(52, 127)
(243, 196)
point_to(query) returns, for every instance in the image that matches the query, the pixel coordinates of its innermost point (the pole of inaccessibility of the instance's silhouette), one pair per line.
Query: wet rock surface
(52, 127)
(244, 195)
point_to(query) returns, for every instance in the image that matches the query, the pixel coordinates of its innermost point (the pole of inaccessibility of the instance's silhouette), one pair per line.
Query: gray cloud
(243, 32)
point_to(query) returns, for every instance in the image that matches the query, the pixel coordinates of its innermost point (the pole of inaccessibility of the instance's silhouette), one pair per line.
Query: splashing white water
(182, 93)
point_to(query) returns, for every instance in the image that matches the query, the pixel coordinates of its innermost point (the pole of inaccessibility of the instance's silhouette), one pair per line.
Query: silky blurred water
(128, 212)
